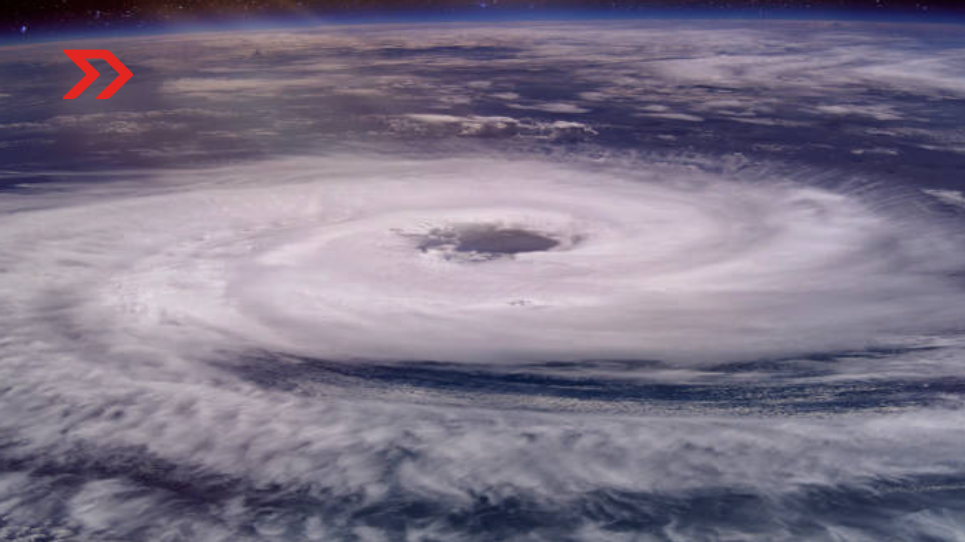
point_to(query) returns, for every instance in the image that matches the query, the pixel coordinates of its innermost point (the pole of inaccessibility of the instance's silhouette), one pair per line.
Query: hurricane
(409, 287)
(457, 338)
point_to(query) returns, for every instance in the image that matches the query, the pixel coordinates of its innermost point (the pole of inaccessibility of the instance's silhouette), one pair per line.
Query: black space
(26, 19)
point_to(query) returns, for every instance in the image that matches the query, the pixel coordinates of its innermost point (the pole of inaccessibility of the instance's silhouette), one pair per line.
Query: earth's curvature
(528, 281)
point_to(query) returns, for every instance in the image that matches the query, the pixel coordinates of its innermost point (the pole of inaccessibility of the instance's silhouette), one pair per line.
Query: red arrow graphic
(80, 56)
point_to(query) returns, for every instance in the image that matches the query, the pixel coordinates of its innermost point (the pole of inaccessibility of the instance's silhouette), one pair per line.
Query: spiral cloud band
(144, 306)
(353, 262)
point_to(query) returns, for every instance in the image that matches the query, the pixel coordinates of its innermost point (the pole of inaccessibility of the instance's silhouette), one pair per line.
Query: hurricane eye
(485, 241)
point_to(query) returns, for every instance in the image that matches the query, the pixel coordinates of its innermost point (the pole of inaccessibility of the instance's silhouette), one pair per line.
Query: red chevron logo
(80, 57)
